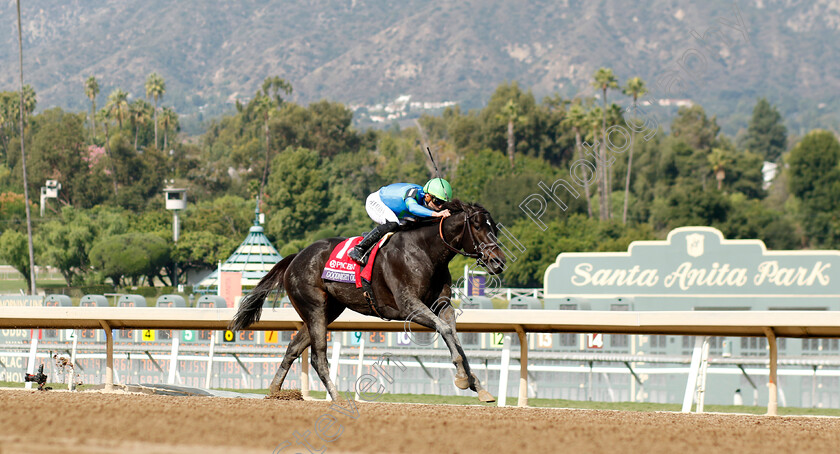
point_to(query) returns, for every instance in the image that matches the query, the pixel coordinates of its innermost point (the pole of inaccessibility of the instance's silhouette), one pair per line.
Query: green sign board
(698, 265)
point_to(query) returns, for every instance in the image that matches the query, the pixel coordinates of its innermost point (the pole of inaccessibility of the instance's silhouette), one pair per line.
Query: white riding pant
(378, 211)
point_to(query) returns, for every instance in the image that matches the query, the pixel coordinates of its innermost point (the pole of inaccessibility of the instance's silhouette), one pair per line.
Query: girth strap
(367, 288)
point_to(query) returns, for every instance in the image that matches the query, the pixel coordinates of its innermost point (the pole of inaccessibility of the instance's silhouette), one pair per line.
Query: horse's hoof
(462, 382)
(484, 396)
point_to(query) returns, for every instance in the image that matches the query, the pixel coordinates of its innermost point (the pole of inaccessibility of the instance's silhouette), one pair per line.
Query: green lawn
(14, 286)
(14, 384)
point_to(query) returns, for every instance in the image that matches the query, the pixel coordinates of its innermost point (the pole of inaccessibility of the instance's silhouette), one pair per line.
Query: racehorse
(410, 279)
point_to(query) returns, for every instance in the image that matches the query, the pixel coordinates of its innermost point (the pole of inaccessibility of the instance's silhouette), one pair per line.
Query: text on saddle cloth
(341, 268)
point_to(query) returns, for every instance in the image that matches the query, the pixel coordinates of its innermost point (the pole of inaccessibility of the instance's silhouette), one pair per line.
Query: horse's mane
(457, 206)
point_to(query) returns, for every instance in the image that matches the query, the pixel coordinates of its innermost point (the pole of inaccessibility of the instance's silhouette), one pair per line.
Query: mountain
(371, 51)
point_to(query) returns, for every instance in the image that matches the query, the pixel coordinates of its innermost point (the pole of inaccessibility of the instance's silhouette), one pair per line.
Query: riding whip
(433, 163)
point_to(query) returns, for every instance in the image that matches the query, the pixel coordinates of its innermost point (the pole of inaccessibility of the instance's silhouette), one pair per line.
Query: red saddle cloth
(341, 268)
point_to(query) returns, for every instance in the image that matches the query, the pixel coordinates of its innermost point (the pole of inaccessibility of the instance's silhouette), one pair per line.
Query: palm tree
(615, 117)
(155, 88)
(23, 105)
(140, 112)
(168, 120)
(29, 100)
(104, 116)
(604, 80)
(266, 103)
(718, 159)
(118, 105)
(634, 88)
(576, 119)
(510, 114)
(91, 90)
(265, 108)
(592, 121)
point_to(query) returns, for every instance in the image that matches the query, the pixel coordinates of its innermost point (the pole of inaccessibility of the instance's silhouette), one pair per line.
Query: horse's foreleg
(468, 378)
(296, 347)
(422, 315)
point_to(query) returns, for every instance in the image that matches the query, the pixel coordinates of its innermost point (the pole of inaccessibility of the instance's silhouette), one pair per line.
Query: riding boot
(362, 250)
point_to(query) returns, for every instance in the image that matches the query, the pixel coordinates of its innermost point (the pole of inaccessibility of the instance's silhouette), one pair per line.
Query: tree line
(311, 170)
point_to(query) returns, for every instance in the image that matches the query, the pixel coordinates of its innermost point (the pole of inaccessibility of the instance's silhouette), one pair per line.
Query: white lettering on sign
(687, 276)
(772, 273)
(718, 276)
(620, 277)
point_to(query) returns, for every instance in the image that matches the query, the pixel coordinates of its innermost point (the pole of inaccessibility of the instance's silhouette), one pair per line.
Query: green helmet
(440, 188)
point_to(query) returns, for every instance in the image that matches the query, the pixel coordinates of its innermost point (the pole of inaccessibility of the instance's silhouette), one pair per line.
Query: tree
(91, 91)
(29, 100)
(118, 106)
(265, 108)
(693, 126)
(766, 134)
(131, 255)
(168, 120)
(576, 119)
(201, 249)
(299, 193)
(56, 151)
(604, 80)
(593, 122)
(66, 242)
(105, 118)
(510, 114)
(140, 112)
(155, 88)
(14, 251)
(719, 162)
(815, 180)
(494, 120)
(634, 88)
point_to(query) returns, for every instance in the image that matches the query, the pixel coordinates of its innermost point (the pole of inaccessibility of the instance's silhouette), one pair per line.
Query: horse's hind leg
(296, 347)
(317, 325)
(301, 341)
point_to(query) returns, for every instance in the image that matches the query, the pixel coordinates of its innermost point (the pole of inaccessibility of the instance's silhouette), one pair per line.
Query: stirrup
(360, 258)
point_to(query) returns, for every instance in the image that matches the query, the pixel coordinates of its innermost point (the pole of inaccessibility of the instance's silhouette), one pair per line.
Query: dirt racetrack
(33, 422)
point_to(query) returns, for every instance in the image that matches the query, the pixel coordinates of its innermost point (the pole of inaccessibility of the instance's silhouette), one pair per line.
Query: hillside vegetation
(371, 51)
(313, 170)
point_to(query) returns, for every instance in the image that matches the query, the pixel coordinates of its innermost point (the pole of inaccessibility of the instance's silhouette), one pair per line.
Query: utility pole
(23, 164)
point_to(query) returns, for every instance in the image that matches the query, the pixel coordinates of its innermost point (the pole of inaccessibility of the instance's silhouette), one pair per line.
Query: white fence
(770, 324)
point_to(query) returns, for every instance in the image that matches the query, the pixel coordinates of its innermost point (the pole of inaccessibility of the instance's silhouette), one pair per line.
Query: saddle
(341, 268)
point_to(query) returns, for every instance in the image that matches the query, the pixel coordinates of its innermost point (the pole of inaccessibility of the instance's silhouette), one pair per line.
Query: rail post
(772, 402)
(210, 359)
(33, 349)
(523, 367)
(173, 357)
(503, 371)
(109, 356)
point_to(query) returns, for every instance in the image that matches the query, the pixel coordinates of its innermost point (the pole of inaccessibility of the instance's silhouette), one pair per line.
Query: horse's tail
(250, 307)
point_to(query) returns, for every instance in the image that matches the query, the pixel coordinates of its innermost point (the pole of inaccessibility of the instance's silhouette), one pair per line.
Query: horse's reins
(464, 232)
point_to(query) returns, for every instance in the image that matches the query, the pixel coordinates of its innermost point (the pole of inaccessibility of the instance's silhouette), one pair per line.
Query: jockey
(393, 205)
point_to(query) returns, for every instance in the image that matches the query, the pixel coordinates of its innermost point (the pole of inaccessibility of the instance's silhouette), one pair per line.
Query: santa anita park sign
(695, 268)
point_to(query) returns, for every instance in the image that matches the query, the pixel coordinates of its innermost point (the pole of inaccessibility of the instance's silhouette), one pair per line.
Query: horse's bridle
(466, 231)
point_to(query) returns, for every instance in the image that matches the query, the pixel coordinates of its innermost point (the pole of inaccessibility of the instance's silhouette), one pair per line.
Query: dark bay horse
(410, 278)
